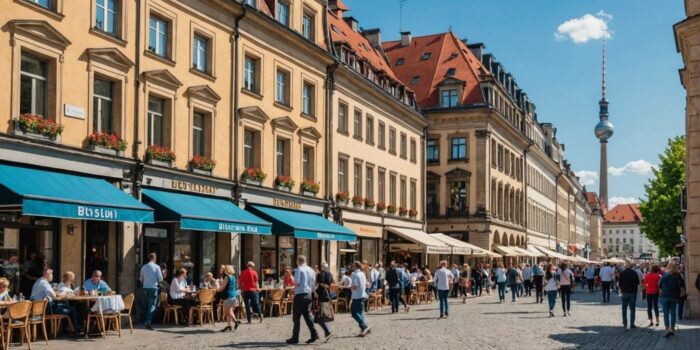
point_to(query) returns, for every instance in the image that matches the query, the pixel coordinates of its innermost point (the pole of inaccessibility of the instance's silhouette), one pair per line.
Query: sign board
(156, 232)
(74, 111)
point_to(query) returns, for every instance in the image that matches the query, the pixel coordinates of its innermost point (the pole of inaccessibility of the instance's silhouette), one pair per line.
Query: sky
(553, 49)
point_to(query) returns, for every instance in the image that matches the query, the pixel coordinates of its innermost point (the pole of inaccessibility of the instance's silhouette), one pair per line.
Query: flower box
(412, 213)
(106, 143)
(156, 162)
(309, 188)
(254, 182)
(369, 204)
(160, 156)
(342, 198)
(253, 176)
(37, 127)
(357, 201)
(403, 211)
(308, 193)
(106, 150)
(381, 206)
(201, 165)
(284, 183)
(200, 171)
(390, 209)
(283, 188)
(36, 136)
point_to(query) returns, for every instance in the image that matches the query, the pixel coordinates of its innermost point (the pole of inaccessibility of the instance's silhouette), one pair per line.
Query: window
(252, 3)
(399, 61)
(307, 160)
(458, 148)
(156, 107)
(402, 193)
(448, 98)
(357, 125)
(106, 16)
(103, 106)
(381, 177)
(402, 146)
(433, 150)
(415, 80)
(412, 193)
(342, 175)
(250, 75)
(251, 142)
(357, 179)
(392, 189)
(200, 56)
(369, 137)
(603, 240)
(458, 198)
(369, 182)
(425, 56)
(413, 150)
(33, 86)
(282, 157)
(308, 99)
(380, 135)
(43, 3)
(343, 118)
(432, 199)
(282, 87)
(158, 36)
(451, 71)
(631, 240)
(198, 137)
(307, 26)
(283, 13)
(392, 140)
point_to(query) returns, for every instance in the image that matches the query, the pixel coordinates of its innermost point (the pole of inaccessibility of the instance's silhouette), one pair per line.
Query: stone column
(482, 184)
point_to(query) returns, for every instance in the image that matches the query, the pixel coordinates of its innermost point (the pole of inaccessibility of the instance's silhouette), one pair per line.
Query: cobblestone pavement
(481, 323)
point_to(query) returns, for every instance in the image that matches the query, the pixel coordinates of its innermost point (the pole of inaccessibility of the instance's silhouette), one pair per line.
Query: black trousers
(565, 292)
(537, 280)
(394, 297)
(653, 305)
(302, 308)
(591, 285)
(606, 291)
(528, 288)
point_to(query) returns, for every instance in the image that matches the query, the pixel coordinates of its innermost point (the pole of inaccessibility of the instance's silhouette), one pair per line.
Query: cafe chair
(18, 318)
(205, 308)
(55, 321)
(375, 300)
(288, 302)
(275, 299)
(101, 318)
(128, 305)
(334, 300)
(169, 310)
(38, 318)
(421, 293)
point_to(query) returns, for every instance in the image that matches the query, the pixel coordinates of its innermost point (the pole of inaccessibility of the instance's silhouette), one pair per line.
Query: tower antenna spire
(603, 84)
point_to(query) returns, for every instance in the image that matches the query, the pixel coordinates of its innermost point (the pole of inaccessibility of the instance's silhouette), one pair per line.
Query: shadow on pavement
(262, 344)
(184, 332)
(609, 337)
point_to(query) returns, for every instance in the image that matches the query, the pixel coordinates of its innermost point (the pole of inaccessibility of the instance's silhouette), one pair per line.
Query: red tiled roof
(341, 6)
(446, 52)
(592, 198)
(624, 213)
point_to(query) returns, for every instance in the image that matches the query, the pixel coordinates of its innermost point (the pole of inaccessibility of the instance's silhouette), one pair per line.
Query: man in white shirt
(607, 274)
(373, 279)
(443, 278)
(358, 296)
(304, 280)
(527, 280)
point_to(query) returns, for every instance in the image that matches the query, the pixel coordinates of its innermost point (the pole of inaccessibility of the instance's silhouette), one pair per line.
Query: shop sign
(156, 232)
(229, 227)
(96, 213)
(285, 203)
(192, 187)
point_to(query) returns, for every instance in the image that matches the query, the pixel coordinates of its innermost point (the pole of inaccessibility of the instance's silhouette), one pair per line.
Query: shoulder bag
(325, 310)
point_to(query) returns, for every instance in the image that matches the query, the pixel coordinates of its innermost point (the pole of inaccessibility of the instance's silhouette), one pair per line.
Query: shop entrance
(100, 253)
(155, 240)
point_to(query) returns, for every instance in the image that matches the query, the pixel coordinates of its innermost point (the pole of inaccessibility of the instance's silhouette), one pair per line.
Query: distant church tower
(603, 131)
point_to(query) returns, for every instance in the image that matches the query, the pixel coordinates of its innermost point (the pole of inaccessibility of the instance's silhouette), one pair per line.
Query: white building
(622, 236)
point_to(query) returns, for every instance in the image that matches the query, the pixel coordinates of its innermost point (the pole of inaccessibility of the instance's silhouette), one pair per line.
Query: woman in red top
(288, 278)
(651, 288)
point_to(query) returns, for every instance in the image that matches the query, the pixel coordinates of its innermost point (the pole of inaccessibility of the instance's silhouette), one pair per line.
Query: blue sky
(562, 77)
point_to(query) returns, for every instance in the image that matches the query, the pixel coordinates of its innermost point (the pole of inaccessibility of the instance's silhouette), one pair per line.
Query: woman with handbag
(672, 289)
(324, 309)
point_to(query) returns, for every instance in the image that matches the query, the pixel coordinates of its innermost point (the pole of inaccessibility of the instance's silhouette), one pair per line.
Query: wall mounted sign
(192, 187)
(74, 111)
(284, 203)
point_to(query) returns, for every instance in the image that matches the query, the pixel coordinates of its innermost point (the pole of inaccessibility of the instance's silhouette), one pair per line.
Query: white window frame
(34, 78)
(108, 15)
(161, 30)
(97, 113)
(200, 53)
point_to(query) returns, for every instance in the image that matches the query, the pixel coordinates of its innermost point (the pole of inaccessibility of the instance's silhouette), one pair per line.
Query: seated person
(288, 279)
(209, 282)
(179, 289)
(42, 290)
(96, 283)
(67, 285)
(164, 285)
(344, 285)
(4, 289)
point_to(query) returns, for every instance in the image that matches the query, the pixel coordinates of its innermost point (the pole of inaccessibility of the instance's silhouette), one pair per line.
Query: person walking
(501, 280)
(464, 282)
(477, 277)
(455, 283)
(229, 290)
(566, 286)
(607, 275)
(512, 280)
(248, 285)
(538, 279)
(304, 278)
(590, 278)
(551, 287)
(443, 278)
(487, 279)
(527, 280)
(359, 295)
(324, 279)
(150, 278)
(672, 288)
(651, 290)
(406, 287)
(393, 281)
(628, 282)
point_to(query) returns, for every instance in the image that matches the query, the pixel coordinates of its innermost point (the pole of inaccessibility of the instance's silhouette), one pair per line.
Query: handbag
(324, 313)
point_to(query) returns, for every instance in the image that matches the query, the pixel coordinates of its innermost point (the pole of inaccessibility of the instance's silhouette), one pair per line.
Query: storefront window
(369, 250)
(182, 252)
(347, 252)
(285, 253)
(304, 248)
(268, 257)
(208, 253)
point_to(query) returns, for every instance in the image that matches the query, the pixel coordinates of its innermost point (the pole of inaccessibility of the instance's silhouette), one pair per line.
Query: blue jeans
(501, 291)
(251, 297)
(444, 305)
(629, 300)
(64, 308)
(513, 291)
(670, 307)
(357, 310)
(551, 299)
(150, 300)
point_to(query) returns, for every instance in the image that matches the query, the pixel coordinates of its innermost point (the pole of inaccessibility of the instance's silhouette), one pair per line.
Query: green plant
(202, 163)
(391, 209)
(357, 200)
(37, 124)
(284, 181)
(163, 154)
(310, 186)
(253, 174)
(342, 197)
(369, 203)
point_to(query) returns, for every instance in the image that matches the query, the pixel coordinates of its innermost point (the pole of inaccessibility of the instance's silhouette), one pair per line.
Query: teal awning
(54, 194)
(303, 225)
(200, 213)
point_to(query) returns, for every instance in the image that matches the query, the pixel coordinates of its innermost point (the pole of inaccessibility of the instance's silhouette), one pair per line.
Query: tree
(661, 210)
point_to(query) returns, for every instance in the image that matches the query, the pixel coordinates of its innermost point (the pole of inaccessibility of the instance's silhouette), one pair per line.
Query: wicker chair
(18, 318)
(128, 305)
(275, 299)
(374, 300)
(55, 322)
(205, 308)
(239, 309)
(169, 310)
(334, 300)
(101, 318)
(421, 293)
(288, 302)
(38, 318)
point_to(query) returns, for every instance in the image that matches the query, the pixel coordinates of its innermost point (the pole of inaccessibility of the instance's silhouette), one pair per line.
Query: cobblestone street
(481, 323)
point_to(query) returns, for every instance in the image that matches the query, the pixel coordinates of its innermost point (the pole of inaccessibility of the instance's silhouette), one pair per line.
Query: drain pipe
(234, 106)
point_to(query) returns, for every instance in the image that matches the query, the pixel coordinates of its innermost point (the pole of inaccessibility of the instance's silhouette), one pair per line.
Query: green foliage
(661, 209)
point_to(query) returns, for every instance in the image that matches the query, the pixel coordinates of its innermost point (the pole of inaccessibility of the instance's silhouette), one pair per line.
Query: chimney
(374, 36)
(477, 49)
(352, 22)
(405, 39)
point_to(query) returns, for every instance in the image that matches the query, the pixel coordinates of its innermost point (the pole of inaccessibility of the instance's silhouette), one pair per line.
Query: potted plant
(284, 183)
(253, 176)
(37, 127)
(381, 206)
(369, 203)
(403, 211)
(106, 143)
(412, 213)
(357, 201)
(391, 209)
(309, 188)
(161, 156)
(201, 165)
(342, 198)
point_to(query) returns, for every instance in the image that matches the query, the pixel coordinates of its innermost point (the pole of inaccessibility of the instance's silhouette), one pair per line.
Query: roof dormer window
(399, 62)
(451, 71)
(425, 56)
(415, 80)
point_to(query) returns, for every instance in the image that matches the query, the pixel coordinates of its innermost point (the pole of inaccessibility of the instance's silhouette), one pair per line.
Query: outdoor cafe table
(101, 302)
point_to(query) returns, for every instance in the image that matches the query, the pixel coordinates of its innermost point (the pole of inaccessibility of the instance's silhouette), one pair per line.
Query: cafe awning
(202, 213)
(458, 247)
(303, 225)
(527, 252)
(508, 251)
(432, 245)
(535, 251)
(60, 195)
(553, 254)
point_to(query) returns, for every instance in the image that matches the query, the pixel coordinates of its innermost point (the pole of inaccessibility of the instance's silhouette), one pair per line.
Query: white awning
(458, 247)
(431, 244)
(534, 250)
(553, 254)
(508, 251)
(525, 252)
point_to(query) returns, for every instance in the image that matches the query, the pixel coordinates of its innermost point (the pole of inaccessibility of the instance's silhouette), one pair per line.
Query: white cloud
(587, 177)
(612, 202)
(635, 167)
(583, 29)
